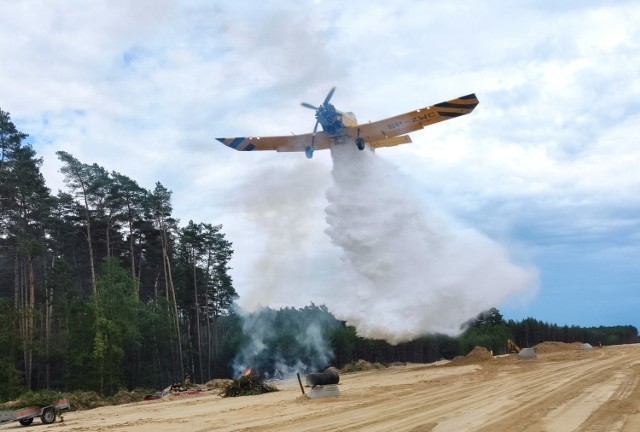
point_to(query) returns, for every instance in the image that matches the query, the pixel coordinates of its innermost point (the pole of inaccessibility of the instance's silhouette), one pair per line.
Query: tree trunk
(48, 314)
(136, 284)
(108, 236)
(89, 242)
(208, 335)
(94, 289)
(172, 298)
(29, 324)
(197, 306)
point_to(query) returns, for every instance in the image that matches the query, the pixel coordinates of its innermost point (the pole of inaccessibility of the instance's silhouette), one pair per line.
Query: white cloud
(144, 88)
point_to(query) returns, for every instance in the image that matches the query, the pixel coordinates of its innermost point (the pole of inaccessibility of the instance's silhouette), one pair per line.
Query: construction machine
(512, 347)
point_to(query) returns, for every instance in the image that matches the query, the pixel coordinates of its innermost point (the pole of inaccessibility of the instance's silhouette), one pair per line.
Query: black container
(325, 378)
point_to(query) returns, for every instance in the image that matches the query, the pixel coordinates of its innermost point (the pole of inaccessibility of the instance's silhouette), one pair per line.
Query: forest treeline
(102, 289)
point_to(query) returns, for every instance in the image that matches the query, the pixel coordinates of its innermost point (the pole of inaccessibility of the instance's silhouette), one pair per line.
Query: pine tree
(26, 206)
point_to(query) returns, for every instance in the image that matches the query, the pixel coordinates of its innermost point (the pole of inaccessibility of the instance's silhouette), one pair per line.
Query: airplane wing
(287, 143)
(379, 133)
(403, 139)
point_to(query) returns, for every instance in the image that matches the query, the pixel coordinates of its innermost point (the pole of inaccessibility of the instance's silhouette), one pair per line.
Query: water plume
(406, 270)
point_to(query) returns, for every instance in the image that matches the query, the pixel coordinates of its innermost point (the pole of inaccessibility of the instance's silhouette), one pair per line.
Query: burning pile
(247, 384)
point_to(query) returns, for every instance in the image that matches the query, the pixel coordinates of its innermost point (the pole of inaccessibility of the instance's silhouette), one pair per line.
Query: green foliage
(360, 366)
(114, 328)
(10, 376)
(247, 385)
(488, 330)
(125, 397)
(40, 398)
(86, 399)
(117, 312)
(530, 332)
(11, 379)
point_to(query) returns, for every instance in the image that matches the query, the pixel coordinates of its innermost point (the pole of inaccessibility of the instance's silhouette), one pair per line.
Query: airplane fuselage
(334, 121)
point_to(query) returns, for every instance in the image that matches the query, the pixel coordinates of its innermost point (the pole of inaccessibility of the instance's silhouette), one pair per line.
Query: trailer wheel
(49, 416)
(26, 422)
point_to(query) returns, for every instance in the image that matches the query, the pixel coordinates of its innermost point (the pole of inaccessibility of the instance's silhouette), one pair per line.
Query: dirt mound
(550, 347)
(477, 355)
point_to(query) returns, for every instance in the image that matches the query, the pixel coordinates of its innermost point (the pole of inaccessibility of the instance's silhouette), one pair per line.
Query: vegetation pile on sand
(247, 385)
(124, 397)
(35, 399)
(549, 347)
(361, 365)
(218, 383)
(78, 399)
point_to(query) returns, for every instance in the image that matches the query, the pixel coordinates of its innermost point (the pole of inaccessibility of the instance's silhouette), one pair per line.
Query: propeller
(309, 150)
(329, 96)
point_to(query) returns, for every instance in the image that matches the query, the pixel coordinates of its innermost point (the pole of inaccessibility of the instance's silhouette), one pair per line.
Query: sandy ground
(596, 390)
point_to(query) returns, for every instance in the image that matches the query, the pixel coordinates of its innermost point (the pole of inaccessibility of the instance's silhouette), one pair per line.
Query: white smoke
(406, 271)
(288, 243)
(280, 343)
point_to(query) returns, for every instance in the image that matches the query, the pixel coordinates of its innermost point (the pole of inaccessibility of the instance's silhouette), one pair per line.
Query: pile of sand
(477, 355)
(549, 347)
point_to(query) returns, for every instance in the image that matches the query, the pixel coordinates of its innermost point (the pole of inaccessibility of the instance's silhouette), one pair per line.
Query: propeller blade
(329, 95)
(310, 149)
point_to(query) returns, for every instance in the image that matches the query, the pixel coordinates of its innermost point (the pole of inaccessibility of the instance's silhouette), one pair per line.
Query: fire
(247, 372)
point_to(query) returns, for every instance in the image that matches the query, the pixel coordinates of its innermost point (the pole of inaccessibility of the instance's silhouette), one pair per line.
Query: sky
(546, 167)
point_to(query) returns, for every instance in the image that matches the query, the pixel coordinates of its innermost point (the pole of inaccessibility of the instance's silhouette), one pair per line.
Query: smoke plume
(279, 343)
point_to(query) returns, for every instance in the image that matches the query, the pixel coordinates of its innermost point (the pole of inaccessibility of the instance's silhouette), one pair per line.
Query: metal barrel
(324, 378)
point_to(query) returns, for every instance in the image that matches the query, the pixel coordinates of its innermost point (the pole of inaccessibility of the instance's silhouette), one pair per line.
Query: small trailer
(25, 416)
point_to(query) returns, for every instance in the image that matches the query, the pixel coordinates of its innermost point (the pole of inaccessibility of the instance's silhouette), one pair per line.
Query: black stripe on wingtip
(450, 114)
(469, 96)
(454, 105)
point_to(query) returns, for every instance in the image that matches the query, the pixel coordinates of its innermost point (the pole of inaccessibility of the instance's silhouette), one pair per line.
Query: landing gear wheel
(48, 417)
(360, 143)
(26, 422)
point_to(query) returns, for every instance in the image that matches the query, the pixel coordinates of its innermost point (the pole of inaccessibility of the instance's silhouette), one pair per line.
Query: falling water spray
(387, 263)
(407, 271)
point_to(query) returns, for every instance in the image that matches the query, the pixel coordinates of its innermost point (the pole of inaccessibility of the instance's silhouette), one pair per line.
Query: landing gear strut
(360, 143)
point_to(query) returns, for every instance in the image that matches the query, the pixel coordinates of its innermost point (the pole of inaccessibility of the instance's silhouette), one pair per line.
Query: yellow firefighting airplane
(339, 127)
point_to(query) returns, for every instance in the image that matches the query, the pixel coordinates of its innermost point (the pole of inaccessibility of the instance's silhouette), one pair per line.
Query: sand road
(596, 390)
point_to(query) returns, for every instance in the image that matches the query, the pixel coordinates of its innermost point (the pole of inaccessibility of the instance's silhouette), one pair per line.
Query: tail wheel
(48, 417)
(360, 143)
